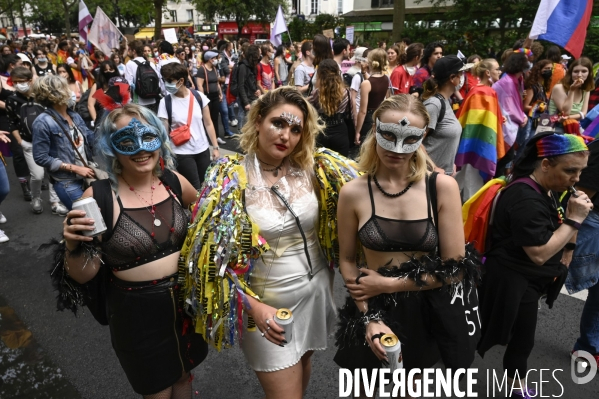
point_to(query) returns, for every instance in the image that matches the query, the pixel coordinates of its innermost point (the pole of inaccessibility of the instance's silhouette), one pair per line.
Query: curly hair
(377, 60)
(589, 84)
(515, 63)
(303, 154)
(104, 153)
(535, 75)
(369, 160)
(330, 86)
(50, 90)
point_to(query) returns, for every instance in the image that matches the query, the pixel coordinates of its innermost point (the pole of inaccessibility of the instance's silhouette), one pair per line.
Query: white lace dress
(281, 276)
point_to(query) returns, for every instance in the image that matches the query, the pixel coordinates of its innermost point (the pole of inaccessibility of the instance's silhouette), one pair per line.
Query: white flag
(461, 55)
(278, 27)
(104, 34)
(85, 19)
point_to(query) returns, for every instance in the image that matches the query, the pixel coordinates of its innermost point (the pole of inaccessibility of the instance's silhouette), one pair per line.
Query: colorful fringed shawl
(222, 243)
(481, 144)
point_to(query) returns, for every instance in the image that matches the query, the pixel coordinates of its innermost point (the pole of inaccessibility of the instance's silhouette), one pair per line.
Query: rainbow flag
(592, 130)
(563, 22)
(482, 142)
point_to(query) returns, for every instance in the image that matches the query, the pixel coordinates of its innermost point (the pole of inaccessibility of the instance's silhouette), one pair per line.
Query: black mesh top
(136, 240)
(391, 235)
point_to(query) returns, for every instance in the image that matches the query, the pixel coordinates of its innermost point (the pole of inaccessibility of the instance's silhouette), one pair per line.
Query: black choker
(402, 192)
(275, 169)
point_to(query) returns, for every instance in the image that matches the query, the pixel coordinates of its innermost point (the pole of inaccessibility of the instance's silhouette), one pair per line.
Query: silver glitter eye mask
(291, 119)
(401, 132)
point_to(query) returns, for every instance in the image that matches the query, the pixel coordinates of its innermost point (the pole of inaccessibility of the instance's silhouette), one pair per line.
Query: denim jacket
(51, 147)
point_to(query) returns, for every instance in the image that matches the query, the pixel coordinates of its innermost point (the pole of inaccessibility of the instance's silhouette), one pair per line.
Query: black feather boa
(71, 295)
(467, 270)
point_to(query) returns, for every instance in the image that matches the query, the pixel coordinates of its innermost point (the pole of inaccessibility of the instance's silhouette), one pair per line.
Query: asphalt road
(77, 355)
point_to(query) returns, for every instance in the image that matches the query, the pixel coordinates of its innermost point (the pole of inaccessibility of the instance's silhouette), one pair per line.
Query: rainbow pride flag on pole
(563, 22)
(482, 142)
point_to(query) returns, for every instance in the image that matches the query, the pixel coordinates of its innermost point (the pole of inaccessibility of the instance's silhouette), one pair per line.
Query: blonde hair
(303, 154)
(377, 60)
(483, 66)
(420, 163)
(50, 90)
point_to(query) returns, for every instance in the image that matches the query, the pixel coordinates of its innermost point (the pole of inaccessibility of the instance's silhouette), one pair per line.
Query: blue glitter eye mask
(135, 137)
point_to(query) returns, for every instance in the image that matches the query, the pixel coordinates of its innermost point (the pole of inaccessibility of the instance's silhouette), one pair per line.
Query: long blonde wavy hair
(420, 163)
(303, 154)
(330, 86)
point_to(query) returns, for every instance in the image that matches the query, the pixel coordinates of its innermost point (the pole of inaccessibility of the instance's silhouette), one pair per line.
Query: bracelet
(571, 246)
(215, 147)
(572, 223)
(367, 318)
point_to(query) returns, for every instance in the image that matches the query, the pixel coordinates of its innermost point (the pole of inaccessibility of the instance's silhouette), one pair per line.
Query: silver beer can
(393, 348)
(92, 211)
(284, 318)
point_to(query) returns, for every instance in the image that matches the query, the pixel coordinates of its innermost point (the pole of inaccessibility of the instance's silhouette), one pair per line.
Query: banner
(104, 34)
(349, 34)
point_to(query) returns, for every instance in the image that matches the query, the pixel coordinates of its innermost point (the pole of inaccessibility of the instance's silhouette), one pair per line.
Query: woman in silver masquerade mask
(146, 227)
(410, 231)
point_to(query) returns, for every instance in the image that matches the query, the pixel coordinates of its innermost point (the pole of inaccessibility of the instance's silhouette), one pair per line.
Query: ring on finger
(267, 321)
(267, 328)
(69, 223)
(261, 333)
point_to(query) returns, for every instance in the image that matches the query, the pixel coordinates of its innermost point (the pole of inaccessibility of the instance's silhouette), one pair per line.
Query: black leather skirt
(153, 339)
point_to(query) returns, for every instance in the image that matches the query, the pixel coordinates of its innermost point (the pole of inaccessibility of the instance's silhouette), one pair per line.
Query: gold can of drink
(284, 318)
(393, 348)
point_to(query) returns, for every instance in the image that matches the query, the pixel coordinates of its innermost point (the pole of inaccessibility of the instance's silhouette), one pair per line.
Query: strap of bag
(70, 138)
(103, 196)
(168, 103)
(199, 100)
(189, 111)
(348, 107)
(206, 80)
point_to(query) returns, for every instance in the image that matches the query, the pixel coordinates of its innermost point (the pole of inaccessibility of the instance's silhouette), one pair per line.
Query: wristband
(581, 115)
(571, 246)
(572, 223)
(215, 147)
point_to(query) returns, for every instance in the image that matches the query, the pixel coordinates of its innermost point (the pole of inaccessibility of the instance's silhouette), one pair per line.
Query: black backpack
(347, 78)
(147, 84)
(233, 81)
(81, 107)
(28, 114)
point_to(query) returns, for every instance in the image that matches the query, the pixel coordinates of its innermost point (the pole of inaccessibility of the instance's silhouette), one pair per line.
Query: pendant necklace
(402, 192)
(275, 168)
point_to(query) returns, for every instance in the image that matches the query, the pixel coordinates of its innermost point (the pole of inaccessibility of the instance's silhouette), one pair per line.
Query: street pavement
(71, 357)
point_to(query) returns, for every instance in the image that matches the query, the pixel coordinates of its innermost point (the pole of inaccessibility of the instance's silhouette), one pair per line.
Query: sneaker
(229, 135)
(59, 209)
(234, 122)
(36, 206)
(220, 141)
(2, 218)
(3, 237)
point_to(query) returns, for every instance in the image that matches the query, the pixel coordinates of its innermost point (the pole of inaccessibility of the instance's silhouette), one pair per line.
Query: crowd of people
(365, 169)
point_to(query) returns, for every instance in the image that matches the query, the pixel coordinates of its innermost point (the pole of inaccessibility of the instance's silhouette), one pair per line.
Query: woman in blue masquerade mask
(140, 248)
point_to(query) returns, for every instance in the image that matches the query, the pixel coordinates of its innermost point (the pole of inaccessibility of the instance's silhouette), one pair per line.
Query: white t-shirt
(199, 140)
(355, 86)
(131, 75)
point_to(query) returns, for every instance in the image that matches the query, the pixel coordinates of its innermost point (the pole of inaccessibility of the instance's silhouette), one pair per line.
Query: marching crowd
(365, 168)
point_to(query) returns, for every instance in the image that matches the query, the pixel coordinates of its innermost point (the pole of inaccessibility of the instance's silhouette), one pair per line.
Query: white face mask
(393, 136)
(214, 62)
(22, 87)
(72, 101)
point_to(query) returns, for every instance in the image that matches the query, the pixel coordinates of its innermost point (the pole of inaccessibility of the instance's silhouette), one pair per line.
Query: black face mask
(109, 75)
(546, 74)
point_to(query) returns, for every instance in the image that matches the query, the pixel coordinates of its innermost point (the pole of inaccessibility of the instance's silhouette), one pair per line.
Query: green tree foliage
(239, 11)
(476, 25)
(300, 29)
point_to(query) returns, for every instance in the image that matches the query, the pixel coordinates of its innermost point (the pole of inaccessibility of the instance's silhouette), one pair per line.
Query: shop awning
(145, 33)
(255, 28)
(228, 28)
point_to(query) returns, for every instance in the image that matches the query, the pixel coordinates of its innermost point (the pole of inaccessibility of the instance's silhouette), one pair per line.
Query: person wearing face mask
(65, 71)
(510, 92)
(22, 132)
(444, 130)
(43, 67)
(56, 152)
(207, 83)
(193, 156)
(108, 71)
